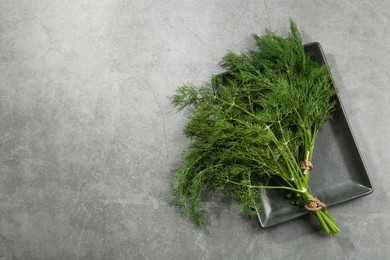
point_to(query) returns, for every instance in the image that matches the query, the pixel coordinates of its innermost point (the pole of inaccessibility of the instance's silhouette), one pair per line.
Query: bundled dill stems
(259, 124)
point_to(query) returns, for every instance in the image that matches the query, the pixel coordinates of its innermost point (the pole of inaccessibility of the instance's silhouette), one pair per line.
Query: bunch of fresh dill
(259, 123)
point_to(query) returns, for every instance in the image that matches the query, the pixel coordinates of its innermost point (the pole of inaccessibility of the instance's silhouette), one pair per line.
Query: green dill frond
(187, 95)
(256, 124)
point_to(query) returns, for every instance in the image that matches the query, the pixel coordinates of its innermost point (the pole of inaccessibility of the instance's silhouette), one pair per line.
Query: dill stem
(267, 187)
(290, 166)
(244, 110)
(311, 151)
(323, 223)
(331, 224)
(324, 217)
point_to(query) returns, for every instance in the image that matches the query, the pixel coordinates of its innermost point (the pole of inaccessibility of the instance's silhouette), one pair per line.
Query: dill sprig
(257, 124)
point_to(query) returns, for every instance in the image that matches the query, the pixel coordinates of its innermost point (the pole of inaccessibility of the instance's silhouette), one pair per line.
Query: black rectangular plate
(339, 174)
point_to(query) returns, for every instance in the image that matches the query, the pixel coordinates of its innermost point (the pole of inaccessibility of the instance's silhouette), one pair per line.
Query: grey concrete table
(88, 136)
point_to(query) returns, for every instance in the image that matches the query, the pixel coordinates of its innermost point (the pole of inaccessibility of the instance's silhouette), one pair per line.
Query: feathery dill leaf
(259, 122)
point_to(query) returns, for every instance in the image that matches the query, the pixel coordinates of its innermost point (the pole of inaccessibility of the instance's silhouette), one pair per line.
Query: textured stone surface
(88, 136)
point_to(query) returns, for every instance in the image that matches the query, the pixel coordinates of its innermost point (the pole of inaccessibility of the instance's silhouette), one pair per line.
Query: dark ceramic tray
(339, 174)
